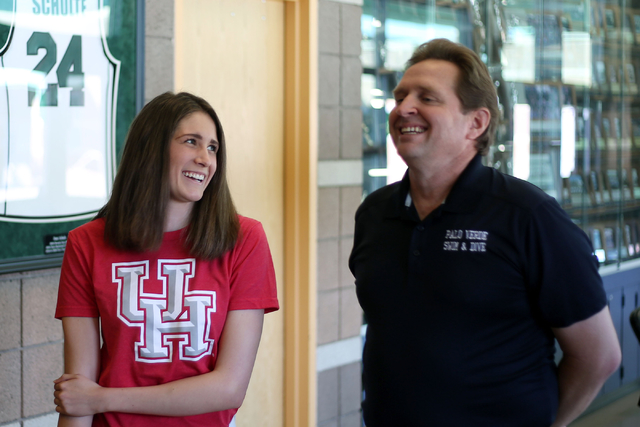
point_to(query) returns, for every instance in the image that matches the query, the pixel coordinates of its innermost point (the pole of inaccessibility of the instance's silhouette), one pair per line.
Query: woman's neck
(178, 215)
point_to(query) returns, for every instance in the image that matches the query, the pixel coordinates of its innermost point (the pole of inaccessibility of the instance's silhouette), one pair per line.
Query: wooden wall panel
(231, 52)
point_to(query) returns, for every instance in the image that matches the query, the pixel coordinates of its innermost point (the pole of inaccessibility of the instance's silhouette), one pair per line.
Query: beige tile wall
(339, 143)
(30, 345)
(159, 51)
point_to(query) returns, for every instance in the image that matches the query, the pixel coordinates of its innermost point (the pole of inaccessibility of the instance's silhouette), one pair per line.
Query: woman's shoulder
(251, 231)
(86, 238)
(247, 223)
(95, 227)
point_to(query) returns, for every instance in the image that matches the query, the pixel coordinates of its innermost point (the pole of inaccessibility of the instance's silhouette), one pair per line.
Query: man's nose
(407, 106)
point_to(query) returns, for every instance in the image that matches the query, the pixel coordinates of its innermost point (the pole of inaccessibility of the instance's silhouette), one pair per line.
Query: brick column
(339, 194)
(30, 348)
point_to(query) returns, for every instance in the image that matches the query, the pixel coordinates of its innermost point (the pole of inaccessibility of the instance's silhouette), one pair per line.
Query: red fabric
(93, 283)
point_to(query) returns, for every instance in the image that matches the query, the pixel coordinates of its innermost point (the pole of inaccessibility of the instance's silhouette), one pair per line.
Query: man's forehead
(421, 75)
(404, 87)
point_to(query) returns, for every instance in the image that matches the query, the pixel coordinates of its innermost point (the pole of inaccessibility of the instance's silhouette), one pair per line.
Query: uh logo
(177, 315)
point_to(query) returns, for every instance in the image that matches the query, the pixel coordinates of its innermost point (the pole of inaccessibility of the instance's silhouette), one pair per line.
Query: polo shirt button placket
(420, 228)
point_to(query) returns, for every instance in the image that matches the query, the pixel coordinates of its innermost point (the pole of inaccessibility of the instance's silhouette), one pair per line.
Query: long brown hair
(475, 88)
(135, 213)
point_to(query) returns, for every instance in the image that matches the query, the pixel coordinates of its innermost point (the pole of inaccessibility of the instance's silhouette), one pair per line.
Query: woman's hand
(76, 395)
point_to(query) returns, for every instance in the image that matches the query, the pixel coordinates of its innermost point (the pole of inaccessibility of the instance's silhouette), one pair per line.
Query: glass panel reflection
(566, 77)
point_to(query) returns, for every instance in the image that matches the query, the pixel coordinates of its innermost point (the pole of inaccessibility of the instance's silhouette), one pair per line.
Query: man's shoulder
(380, 198)
(515, 192)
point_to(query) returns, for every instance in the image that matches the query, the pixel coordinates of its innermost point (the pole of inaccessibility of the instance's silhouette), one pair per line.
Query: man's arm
(591, 353)
(223, 388)
(81, 356)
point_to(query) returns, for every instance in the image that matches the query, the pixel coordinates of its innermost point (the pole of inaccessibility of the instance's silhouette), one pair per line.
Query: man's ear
(480, 120)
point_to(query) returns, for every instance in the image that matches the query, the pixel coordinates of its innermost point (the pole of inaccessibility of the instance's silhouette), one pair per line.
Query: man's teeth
(198, 176)
(412, 129)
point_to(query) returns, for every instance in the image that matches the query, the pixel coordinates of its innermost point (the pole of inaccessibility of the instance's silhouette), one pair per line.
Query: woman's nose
(203, 157)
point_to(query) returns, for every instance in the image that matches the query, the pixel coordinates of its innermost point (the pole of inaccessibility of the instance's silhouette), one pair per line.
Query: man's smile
(412, 130)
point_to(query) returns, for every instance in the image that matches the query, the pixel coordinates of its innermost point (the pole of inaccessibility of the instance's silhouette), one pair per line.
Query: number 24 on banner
(69, 70)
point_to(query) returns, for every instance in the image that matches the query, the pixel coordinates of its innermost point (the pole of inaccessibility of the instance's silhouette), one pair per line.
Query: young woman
(172, 279)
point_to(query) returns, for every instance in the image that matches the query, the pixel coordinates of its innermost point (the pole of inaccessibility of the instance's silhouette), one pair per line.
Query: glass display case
(566, 74)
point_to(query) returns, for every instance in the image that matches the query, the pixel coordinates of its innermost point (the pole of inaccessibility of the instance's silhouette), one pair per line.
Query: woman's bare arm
(81, 356)
(223, 388)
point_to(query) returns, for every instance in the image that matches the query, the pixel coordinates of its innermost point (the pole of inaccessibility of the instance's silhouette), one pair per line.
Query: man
(467, 275)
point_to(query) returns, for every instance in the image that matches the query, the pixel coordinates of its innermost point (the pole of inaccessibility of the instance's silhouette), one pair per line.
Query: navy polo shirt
(460, 305)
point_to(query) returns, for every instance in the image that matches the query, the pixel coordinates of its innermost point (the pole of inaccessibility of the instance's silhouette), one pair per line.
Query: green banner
(67, 96)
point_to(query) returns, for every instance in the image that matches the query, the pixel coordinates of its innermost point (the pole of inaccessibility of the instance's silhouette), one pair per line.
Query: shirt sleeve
(76, 297)
(563, 268)
(253, 281)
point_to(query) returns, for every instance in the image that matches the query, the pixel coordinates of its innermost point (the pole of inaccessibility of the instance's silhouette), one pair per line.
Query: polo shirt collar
(464, 195)
(396, 207)
(468, 189)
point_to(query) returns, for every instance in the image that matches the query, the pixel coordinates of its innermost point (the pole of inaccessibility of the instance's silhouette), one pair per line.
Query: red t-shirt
(162, 313)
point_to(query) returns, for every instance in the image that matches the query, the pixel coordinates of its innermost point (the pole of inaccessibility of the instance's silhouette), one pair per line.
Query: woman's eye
(213, 148)
(191, 141)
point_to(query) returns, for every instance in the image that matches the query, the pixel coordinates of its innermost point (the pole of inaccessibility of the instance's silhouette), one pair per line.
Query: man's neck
(431, 184)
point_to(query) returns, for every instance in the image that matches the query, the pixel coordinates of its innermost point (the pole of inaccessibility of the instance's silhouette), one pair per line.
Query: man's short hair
(475, 88)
